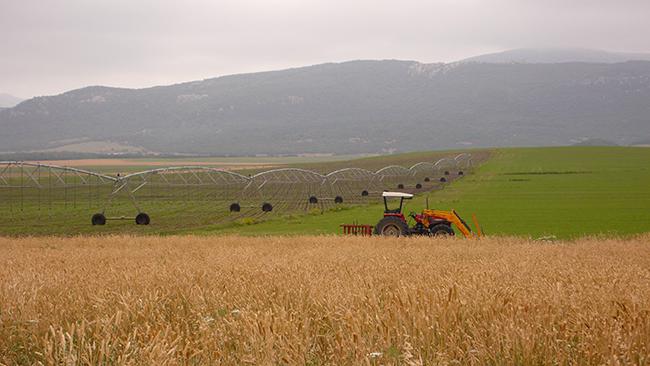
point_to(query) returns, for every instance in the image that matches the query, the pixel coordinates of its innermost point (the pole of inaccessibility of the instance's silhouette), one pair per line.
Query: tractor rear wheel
(442, 230)
(391, 226)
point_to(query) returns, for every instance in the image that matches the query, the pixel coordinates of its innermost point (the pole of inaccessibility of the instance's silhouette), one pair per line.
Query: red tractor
(429, 222)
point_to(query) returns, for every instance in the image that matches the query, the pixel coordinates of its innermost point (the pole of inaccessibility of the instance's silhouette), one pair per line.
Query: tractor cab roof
(397, 194)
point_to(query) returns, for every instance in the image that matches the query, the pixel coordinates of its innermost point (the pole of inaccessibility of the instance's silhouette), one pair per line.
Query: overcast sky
(51, 46)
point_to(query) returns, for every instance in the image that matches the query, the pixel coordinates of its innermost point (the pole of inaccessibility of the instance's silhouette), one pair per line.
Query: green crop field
(564, 192)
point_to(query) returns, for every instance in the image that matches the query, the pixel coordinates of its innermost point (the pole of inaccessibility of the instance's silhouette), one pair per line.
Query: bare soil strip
(160, 163)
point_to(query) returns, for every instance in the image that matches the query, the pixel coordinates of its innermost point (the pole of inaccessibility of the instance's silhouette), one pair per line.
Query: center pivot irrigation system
(34, 191)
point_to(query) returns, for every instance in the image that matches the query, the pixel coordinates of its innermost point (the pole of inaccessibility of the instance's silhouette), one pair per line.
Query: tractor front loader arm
(461, 225)
(453, 217)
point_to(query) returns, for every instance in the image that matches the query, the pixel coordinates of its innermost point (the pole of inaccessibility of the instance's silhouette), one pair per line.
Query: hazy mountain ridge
(8, 100)
(351, 107)
(558, 55)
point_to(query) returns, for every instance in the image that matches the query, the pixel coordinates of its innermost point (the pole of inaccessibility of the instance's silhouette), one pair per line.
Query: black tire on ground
(418, 186)
(142, 219)
(427, 179)
(364, 193)
(98, 219)
(443, 179)
(446, 172)
(338, 199)
(235, 207)
(400, 186)
(441, 230)
(391, 226)
(460, 172)
(267, 207)
(313, 199)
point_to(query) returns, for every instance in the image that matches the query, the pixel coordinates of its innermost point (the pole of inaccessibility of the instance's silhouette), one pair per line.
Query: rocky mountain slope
(350, 107)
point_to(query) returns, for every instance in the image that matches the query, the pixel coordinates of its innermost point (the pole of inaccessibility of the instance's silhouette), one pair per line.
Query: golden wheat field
(323, 300)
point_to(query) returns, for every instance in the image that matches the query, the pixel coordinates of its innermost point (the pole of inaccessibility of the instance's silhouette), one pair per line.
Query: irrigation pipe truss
(18, 178)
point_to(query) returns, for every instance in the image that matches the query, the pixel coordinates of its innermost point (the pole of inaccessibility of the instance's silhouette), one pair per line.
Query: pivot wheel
(391, 226)
(98, 219)
(142, 219)
(442, 230)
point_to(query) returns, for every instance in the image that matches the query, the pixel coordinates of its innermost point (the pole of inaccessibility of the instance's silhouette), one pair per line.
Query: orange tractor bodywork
(429, 222)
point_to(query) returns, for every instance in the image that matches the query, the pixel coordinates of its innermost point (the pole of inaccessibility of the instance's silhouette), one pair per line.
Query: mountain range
(351, 107)
(558, 55)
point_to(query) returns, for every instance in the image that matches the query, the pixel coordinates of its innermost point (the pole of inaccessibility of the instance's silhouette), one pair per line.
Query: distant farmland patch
(547, 173)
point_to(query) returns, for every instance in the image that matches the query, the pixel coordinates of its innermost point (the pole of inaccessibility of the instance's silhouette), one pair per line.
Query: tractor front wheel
(442, 230)
(391, 226)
